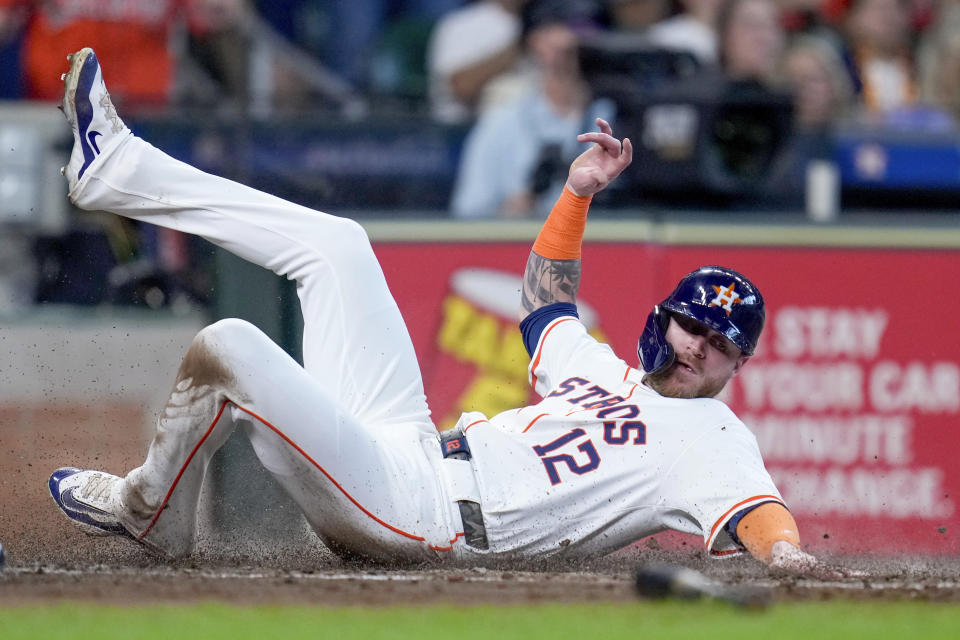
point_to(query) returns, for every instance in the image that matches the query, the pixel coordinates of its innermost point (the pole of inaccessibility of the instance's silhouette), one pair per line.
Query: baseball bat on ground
(657, 581)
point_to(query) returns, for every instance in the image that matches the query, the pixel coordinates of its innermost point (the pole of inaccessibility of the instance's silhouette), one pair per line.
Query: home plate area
(118, 573)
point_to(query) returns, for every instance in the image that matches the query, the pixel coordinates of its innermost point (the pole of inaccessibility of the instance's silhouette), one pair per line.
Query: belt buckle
(474, 531)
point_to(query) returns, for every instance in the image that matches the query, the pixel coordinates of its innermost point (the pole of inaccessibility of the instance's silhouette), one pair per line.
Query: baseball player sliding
(609, 455)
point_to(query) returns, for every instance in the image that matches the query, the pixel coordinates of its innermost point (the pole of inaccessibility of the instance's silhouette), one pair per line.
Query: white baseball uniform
(600, 462)
(604, 460)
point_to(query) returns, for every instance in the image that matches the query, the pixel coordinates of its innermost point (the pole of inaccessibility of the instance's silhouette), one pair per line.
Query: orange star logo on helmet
(726, 298)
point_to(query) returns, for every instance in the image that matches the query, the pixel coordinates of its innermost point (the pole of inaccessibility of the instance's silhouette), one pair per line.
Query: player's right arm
(770, 534)
(553, 269)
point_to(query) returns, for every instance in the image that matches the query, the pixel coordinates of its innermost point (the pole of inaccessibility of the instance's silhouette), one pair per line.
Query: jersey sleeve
(533, 326)
(565, 349)
(719, 476)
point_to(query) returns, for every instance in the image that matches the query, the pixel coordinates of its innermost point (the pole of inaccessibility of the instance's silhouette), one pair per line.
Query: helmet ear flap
(656, 354)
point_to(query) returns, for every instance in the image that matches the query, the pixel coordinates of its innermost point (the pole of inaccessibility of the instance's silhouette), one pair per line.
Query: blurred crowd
(512, 73)
(508, 67)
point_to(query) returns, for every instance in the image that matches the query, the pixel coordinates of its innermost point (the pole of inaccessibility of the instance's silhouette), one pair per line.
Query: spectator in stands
(350, 29)
(515, 158)
(750, 43)
(880, 39)
(751, 39)
(744, 121)
(636, 16)
(693, 29)
(131, 38)
(468, 48)
(813, 71)
(938, 62)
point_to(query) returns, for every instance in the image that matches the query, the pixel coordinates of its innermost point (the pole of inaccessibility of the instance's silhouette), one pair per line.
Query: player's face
(705, 361)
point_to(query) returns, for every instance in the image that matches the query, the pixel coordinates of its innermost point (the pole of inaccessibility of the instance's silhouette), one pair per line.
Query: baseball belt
(453, 444)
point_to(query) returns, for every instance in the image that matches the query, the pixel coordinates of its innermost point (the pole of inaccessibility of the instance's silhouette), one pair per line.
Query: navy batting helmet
(717, 297)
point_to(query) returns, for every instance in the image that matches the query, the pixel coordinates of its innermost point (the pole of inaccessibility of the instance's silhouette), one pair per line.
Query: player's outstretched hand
(596, 167)
(787, 560)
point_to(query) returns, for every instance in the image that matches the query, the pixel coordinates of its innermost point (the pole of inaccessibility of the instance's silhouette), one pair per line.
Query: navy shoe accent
(96, 126)
(84, 110)
(79, 511)
(91, 518)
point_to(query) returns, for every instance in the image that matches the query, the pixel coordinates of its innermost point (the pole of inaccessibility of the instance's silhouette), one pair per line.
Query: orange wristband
(562, 234)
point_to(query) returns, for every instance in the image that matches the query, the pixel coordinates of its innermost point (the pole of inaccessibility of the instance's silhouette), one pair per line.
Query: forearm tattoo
(547, 281)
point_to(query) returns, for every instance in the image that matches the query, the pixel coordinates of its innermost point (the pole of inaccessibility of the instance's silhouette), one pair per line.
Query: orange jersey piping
(473, 424)
(301, 452)
(543, 338)
(534, 420)
(716, 526)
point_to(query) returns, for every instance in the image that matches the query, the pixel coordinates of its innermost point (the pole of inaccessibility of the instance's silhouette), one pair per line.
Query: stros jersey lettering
(604, 460)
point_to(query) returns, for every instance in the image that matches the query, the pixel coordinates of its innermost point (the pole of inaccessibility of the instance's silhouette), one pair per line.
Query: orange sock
(562, 233)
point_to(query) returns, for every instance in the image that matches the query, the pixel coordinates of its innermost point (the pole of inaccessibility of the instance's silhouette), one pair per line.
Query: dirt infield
(49, 560)
(118, 572)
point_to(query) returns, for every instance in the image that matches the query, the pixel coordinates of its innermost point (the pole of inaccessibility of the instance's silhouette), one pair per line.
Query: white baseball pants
(348, 435)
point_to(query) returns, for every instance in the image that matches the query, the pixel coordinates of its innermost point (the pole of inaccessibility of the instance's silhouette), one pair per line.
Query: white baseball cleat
(90, 112)
(89, 498)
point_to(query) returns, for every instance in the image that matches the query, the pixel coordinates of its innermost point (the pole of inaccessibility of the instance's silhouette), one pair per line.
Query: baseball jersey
(603, 460)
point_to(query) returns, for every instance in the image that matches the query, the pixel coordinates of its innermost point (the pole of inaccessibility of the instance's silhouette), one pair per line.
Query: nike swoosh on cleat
(84, 513)
(68, 501)
(93, 141)
(84, 108)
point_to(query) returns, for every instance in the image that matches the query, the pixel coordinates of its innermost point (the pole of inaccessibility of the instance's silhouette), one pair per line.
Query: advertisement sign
(853, 394)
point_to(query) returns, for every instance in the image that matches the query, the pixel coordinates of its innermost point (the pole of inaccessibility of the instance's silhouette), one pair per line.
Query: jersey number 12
(613, 433)
(551, 462)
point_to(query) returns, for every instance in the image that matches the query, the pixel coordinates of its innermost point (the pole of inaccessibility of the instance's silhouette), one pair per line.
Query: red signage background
(854, 394)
